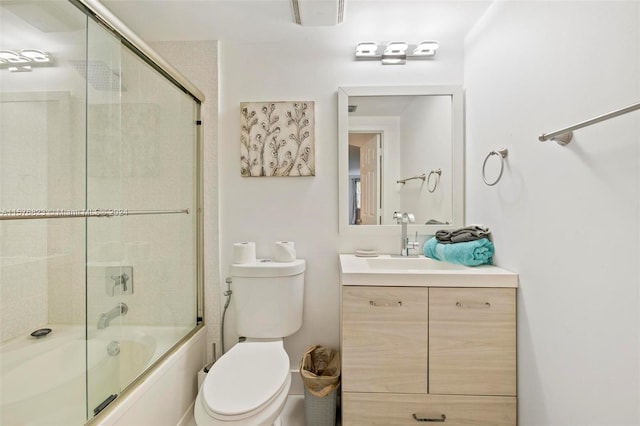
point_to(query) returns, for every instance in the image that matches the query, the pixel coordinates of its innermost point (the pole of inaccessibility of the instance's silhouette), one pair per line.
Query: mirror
(400, 149)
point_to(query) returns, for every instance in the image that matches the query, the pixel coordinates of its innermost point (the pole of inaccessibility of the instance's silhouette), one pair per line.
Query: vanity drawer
(370, 409)
(472, 345)
(384, 339)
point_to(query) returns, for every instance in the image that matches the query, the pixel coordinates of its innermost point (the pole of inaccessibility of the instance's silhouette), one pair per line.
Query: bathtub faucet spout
(105, 318)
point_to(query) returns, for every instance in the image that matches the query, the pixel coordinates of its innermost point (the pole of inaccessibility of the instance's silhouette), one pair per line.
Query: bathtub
(45, 380)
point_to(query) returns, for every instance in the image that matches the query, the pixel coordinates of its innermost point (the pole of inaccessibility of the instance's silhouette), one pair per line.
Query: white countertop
(421, 271)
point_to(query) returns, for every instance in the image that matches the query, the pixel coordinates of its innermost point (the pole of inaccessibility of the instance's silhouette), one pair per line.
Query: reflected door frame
(388, 191)
(370, 146)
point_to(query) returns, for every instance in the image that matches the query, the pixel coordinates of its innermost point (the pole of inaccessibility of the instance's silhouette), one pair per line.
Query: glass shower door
(42, 169)
(88, 128)
(141, 163)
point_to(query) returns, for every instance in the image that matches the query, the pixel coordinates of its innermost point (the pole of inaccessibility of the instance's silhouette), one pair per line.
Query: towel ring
(502, 153)
(437, 174)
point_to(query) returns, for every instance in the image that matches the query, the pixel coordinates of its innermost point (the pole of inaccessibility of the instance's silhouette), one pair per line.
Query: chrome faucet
(403, 219)
(105, 318)
(119, 280)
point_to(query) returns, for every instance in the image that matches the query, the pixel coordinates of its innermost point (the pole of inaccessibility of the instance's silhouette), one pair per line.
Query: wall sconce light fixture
(395, 52)
(25, 60)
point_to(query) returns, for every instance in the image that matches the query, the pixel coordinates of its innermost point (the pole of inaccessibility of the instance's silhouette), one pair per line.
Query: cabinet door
(370, 409)
(384, 339)
(472, 344)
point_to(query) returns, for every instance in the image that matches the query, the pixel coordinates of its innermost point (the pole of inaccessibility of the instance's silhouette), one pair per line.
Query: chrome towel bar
(20, 214)
(564, 136)
(422, 176)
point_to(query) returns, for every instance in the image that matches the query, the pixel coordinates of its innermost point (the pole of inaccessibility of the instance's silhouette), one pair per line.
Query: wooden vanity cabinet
(384, 335)
(420, 354)
(472, 343)
(399, 409)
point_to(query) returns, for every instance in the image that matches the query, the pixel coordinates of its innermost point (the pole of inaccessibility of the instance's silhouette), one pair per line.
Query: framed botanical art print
(277, 138)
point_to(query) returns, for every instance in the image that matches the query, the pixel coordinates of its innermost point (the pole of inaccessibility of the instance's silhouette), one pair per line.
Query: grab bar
(403, 181)
(19, 214)
(564, 136)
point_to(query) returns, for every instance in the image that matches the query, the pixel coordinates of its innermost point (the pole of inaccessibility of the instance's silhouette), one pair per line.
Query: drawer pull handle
(485, 305)
(441, 419)
(385, 304)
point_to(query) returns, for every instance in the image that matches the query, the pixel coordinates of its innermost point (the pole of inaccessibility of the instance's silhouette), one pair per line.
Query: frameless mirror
(400, 149)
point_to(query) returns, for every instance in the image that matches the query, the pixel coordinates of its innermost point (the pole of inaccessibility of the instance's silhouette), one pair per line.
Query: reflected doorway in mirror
(364, 173)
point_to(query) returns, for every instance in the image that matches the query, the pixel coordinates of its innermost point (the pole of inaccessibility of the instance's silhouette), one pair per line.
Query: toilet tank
(268, 297)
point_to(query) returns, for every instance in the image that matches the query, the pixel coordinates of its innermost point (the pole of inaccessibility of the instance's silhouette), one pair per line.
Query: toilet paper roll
(284, 251)
(244, 252)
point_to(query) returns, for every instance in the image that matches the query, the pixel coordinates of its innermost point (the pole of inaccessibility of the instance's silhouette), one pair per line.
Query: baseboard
(188, 419)
(297, 387)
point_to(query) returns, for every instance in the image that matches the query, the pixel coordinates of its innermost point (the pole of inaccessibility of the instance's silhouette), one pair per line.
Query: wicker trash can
(320, 371)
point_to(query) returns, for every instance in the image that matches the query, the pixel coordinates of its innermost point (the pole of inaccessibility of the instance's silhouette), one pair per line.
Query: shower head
(99, 75)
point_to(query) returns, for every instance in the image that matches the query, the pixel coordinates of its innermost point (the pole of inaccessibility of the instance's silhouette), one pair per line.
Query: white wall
(565, 218)
(303, 210)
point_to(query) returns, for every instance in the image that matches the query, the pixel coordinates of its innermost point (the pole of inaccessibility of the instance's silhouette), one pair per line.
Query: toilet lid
(246, 378)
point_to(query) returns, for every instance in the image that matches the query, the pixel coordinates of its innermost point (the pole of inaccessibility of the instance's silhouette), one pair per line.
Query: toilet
(249, 384)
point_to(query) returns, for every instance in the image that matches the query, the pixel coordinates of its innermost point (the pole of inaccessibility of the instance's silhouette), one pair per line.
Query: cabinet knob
(440, 419)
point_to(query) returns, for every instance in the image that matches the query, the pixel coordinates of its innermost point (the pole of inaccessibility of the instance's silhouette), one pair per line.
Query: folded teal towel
(471, 253)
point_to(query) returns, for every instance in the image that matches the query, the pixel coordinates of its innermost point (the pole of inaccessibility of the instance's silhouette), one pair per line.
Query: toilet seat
(245, 380)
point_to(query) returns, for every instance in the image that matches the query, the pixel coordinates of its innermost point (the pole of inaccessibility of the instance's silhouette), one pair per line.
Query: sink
(412, 263)
(419, 271)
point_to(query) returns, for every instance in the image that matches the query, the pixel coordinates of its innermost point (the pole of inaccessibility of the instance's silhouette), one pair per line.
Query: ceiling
(269, 21)
(48, 25)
